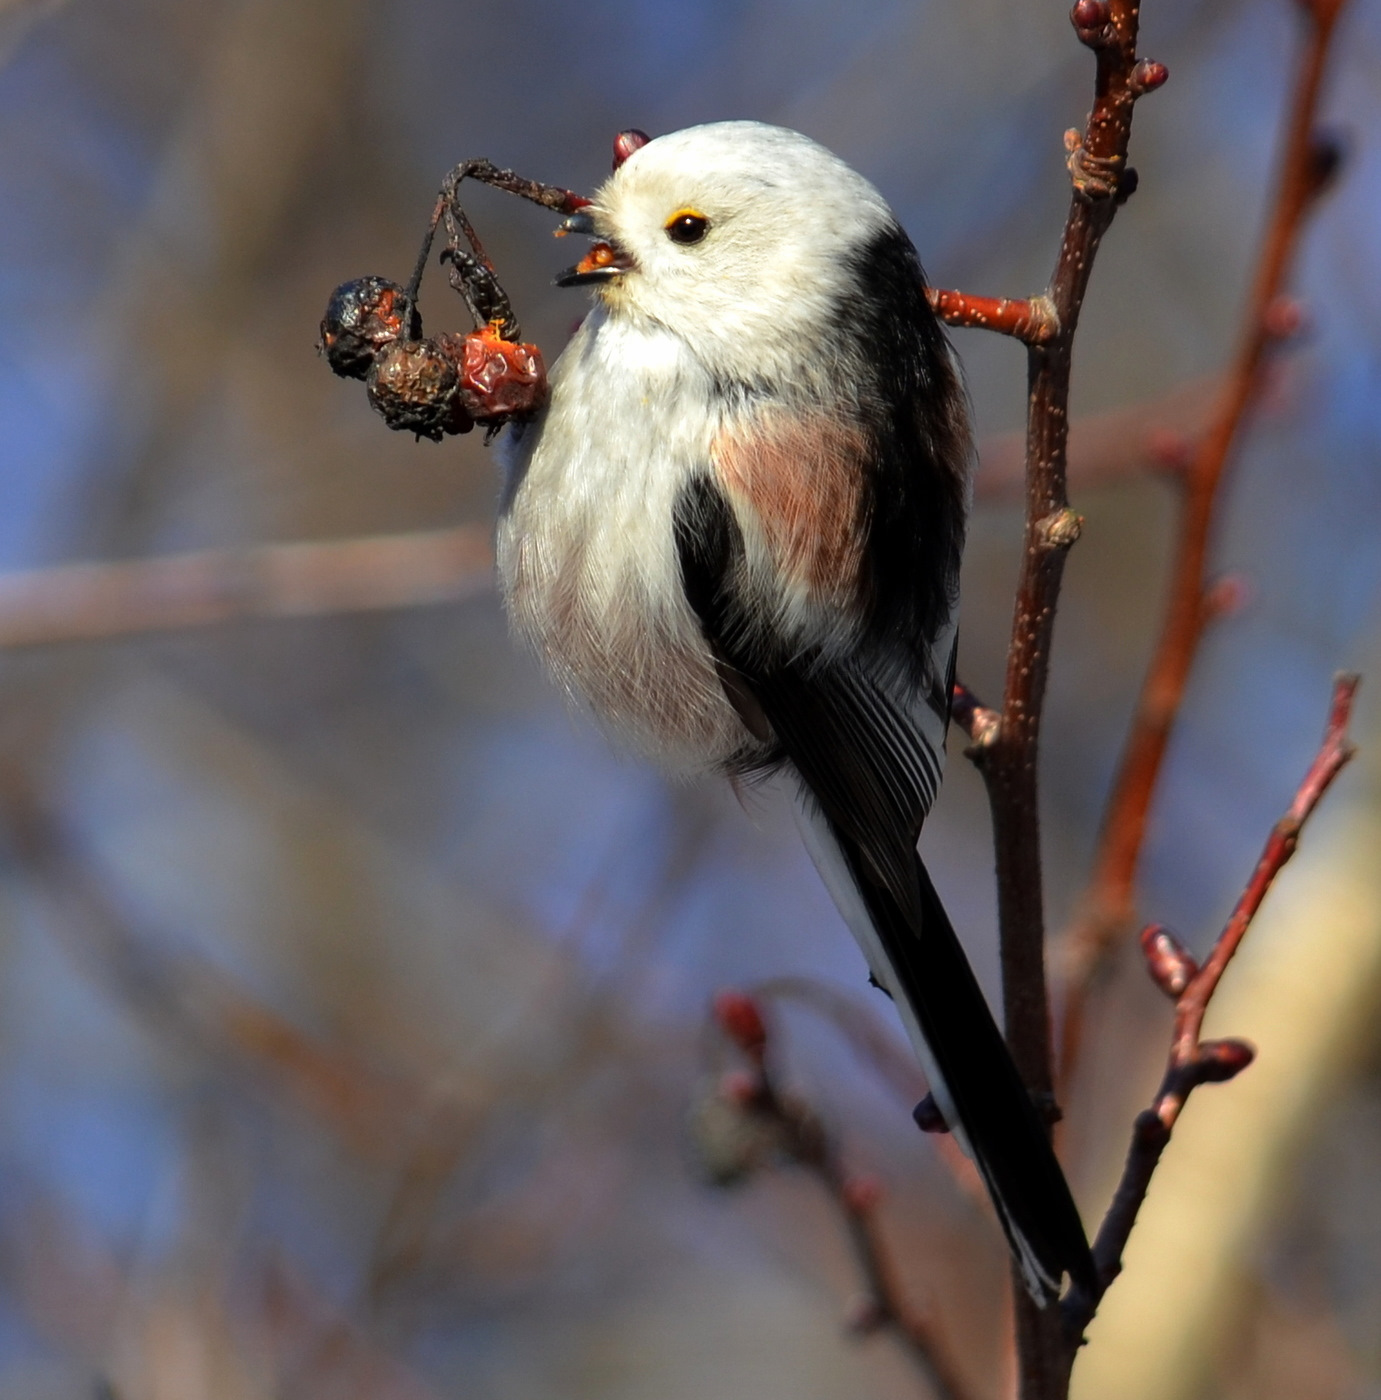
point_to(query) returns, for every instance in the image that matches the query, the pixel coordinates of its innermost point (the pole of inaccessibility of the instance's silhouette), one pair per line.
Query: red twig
(1193, 1061)
(1030, 319)
(1307, 164)
(789, 1129)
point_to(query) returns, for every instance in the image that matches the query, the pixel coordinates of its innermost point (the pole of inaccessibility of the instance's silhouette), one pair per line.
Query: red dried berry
(499, 379)
(626, 142)
(1171, 965)
(415, 387)
(741, 1020)
(362, 318)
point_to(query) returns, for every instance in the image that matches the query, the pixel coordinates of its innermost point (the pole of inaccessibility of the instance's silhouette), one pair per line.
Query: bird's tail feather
(921, 963)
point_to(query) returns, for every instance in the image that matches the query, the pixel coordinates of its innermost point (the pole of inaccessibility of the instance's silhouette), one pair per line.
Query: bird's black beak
(579, 222)
(603, 262)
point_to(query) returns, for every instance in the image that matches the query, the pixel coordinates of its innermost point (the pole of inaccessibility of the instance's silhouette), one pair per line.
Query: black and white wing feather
(869, 767)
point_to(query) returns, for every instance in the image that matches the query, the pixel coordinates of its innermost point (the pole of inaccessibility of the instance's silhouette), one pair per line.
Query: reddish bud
(1147, 76)
(1169, 449)
(1217, 1061)
(861, 1193)
(739, 1088)
(928, 1117)
(1284, 318)
(741, 1020)
(1090, 18)
(1227, 595)
(626, 142)
(1327, 151)
(1170, 963)
(866, 1317)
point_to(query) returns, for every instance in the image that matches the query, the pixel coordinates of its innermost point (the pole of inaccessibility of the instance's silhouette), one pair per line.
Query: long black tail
(979, 1087)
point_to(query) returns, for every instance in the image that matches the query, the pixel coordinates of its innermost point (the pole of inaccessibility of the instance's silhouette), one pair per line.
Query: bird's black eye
(687, 226)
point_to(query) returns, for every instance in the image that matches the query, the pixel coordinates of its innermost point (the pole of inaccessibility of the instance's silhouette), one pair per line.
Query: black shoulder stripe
(918, 413)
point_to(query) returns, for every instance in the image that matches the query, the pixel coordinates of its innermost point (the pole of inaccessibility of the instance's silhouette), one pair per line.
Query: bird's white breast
(586, 547)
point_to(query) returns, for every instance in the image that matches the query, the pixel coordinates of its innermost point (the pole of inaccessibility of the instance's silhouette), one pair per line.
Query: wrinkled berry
(499, 378)
(415, 386)
(362, 318)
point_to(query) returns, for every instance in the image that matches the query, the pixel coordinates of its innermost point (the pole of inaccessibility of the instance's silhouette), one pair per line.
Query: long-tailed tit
(735, 532)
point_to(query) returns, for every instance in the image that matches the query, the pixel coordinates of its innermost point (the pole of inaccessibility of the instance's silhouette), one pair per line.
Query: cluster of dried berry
(428, 386)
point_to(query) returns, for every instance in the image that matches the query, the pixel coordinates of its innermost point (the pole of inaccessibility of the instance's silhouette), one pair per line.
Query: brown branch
(1308, 161)
(783, 1126)
(83, 602)
(1193, 1061)
(1101, 180)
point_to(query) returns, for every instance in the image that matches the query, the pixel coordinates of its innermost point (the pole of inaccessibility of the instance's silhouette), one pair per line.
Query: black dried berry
(362, 318)
(415, 387)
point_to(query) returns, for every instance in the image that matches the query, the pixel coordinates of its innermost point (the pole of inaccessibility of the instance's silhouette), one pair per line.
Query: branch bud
(1147, 76)
(740, 1018)
(1170, 963)
(928, 1117)
(1327, 151)
(626, 142)
(1217, 1061)
(740, 1089)
(1285, 318)
(1226, 596)
(1170, 450)
(1091, 19)
(865, 1318)
(1061, 528)
(861, 1193)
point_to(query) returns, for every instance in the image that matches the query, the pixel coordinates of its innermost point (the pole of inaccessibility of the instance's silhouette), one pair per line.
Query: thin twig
(797, 1135)
(1030, 319)
(1193, 1061)
(1308, 162)
(84, 602)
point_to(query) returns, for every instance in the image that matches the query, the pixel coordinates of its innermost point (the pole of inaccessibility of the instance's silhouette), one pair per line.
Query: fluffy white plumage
(734, 535)
(704, 343)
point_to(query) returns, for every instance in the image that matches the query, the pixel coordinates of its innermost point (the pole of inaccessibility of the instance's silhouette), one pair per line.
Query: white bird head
(741, 238)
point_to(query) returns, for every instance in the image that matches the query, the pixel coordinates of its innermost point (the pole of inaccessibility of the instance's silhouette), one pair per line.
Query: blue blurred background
(351, 990)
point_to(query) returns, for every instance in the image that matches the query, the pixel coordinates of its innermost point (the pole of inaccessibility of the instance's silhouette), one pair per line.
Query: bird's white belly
(586, 547)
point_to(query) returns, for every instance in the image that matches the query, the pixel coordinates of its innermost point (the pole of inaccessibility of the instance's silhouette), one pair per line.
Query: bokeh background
(352, 992)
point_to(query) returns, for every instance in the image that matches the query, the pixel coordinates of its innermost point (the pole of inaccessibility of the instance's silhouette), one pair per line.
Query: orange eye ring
(687, 226)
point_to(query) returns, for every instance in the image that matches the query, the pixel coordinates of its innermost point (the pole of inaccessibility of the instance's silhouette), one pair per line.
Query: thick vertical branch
(1307, 163)
(1101, 181)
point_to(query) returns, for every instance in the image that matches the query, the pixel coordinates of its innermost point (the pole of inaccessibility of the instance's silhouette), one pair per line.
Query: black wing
(868, 766)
